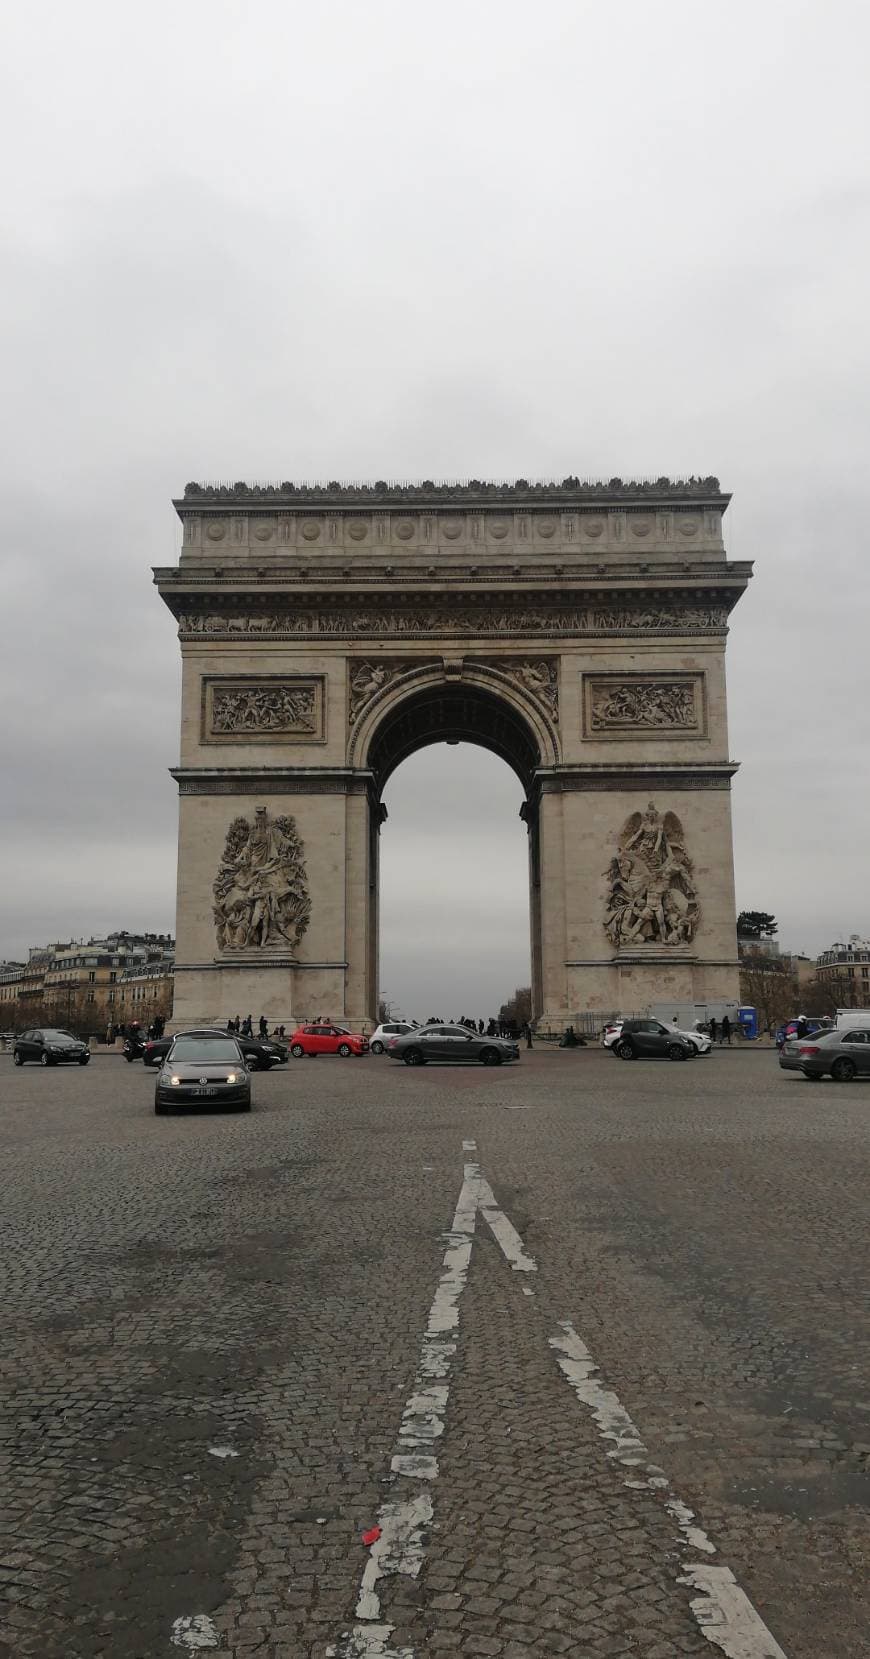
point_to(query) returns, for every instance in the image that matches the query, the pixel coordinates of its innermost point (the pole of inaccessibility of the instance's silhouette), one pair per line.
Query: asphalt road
(524, 1319)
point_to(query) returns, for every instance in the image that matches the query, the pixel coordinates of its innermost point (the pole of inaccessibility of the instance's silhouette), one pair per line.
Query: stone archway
(578, 630)
(472, 704)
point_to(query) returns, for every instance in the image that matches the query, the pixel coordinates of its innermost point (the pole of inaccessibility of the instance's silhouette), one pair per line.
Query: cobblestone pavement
(181, 1289)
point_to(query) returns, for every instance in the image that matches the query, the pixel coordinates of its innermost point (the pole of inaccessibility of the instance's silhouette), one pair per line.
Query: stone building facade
(577, 630)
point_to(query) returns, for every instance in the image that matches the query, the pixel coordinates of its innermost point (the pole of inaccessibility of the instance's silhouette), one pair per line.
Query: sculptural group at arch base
(578, 630)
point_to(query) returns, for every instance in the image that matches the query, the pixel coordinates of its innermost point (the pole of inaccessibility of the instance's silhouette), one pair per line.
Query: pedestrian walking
(712, 1031)
(726, 1032)
(247, 1026)
(264, 1026)
(527, 1033)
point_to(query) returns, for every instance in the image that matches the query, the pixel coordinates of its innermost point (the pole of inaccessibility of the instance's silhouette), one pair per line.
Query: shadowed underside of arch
(454, 714)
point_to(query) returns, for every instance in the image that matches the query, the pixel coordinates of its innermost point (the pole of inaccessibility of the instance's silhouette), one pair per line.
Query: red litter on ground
(372, 1536)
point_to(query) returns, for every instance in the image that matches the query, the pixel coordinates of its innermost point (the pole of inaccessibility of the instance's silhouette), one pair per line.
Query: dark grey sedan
(450, 1042)
(838, 1054)
(50, 1048)
(203, 1071)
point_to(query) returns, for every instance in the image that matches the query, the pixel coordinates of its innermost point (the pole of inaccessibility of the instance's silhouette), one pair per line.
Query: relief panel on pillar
(644, 706)
(652, 897)
(263, 708)
(260, 890)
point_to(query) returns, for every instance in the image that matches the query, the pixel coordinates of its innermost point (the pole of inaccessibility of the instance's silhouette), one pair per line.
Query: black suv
(650, 1038)
(50, 1048)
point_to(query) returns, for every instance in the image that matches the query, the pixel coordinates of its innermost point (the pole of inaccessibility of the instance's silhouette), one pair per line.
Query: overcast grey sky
(266, 240)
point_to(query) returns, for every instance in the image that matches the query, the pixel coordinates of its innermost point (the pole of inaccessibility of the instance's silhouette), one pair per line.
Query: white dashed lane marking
(403, 1522)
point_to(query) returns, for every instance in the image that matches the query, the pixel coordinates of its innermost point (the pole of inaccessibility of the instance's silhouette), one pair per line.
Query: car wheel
(16, 1059)
(624, 1051)
(414, 1057)
(84, 1060)
(843, 1070)
(245, 1107)
(45, 1060)
(129, 1058)
(297, 1051)
(161, 1110)
(377, 1048)
(344, 1050)
(676, 1051)
(490, 1057)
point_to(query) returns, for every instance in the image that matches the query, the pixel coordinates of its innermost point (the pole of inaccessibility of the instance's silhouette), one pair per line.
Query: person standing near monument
(726, 1032)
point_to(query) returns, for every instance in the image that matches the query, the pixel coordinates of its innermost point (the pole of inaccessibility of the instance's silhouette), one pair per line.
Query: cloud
(614, 240)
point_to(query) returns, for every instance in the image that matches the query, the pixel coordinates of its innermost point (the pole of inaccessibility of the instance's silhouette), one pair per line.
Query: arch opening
(453, 900)
(454, 713)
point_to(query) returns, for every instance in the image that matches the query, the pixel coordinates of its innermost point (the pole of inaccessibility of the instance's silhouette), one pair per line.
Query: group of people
(245, 1027)
(493, 1028)
(132, 1031)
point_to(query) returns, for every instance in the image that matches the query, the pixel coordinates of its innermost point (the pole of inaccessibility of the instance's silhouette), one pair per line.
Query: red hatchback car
(327, 1039)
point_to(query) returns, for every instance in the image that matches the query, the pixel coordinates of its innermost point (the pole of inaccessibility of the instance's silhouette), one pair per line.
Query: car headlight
(175, 1081)
(232, 1077)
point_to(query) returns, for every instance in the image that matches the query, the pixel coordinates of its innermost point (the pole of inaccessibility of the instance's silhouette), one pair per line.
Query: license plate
(204, 1091)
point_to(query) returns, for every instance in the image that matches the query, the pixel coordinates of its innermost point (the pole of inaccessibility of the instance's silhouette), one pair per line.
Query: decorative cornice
(272, 780)
(571, 490)
(640, 777)
(571, 574)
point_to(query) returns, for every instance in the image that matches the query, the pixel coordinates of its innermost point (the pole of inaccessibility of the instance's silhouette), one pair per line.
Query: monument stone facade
(577, 630)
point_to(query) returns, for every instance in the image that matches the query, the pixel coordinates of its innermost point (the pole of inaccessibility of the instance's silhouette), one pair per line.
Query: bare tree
(518, 1009)
(769, 990)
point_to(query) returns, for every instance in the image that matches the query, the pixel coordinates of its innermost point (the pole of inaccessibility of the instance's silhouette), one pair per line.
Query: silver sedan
(450, 1042)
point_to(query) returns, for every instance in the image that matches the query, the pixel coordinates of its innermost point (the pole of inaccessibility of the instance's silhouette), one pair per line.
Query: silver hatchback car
(203, 1071)
(450, 1042)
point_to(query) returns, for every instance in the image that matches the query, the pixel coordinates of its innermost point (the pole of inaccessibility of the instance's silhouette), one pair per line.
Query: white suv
(395, 1028)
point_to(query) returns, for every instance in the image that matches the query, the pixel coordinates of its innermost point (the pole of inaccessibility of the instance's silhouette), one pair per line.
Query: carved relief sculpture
(366, 680)
(643, 704)
(540, 679)
(280, 708)
(261, 890)
(685, 619)
(652, 897)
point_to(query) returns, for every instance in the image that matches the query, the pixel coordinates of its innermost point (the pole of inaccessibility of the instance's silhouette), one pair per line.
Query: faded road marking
(404, 1521)
(723, 1611)
(195, 1631)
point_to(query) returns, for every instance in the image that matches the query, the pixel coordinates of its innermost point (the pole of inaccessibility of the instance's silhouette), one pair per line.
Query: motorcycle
(134, 1048)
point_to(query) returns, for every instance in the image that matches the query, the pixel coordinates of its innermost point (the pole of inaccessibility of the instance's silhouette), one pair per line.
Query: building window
(91, 978)
(90, 996)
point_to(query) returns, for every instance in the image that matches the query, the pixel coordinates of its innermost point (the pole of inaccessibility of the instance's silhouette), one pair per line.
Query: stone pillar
(552, 919)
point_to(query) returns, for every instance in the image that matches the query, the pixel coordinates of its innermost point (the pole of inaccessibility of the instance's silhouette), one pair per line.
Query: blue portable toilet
(748, 1020)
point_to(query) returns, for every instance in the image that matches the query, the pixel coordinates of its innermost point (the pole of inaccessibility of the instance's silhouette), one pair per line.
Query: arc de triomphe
(577, 630)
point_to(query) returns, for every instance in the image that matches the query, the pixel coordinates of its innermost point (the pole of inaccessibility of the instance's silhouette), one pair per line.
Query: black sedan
(50, 1048)
(650, 1039)
(203, 1071)
(260, 1053)
(450, 1042)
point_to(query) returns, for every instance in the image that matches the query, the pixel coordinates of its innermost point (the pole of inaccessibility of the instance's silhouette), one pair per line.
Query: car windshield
(59, 1037)
(207, 1049)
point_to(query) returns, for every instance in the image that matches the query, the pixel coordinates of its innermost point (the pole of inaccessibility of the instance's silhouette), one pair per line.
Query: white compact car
(700, 1039)
(393, 1028)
